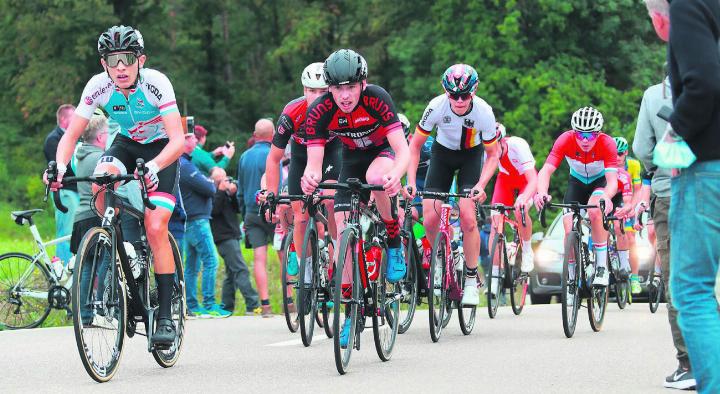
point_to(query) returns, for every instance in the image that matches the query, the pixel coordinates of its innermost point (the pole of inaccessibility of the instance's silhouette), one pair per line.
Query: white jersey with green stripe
(458, 132)
(140, 114)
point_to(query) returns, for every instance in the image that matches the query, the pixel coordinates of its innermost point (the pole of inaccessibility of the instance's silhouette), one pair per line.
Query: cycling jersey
(140, 114)
(515, 161)
(366, 127)
(625, 183)
(586, 167)
(291, 124)
(634, 169)
(459, 132)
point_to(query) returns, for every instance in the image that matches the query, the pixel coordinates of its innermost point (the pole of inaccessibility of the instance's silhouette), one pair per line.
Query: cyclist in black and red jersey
(375, 151)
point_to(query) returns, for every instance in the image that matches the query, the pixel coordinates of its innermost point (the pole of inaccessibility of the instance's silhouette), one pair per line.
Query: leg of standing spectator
(260, 270)
(695, 209)
(227, 297)
(206, 250)
(238, 273)
(191, 268)
(64, 222)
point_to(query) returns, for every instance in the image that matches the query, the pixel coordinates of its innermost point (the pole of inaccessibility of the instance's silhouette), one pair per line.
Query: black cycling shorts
(123, 153)
(332, 161)
(445, 162)
(580, 192)
(355, 164)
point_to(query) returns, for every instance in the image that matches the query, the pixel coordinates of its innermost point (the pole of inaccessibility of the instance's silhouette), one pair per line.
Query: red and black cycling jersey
(292, 124)
(366, 127)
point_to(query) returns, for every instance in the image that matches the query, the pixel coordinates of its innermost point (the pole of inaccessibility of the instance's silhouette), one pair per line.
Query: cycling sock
(470, 272)
(393, 230)
(624, 259)
(526, 245)
(601, 254)
(165, 287)
(264, 302)
(495, 270)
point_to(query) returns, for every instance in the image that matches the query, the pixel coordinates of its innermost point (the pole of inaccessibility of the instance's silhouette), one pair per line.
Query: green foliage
(233, 62)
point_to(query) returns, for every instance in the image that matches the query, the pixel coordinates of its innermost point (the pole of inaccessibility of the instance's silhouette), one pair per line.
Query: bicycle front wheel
(438, 289)
(347, 300)
(655, 292)
(570, 292)
(98, 303)
(387, 316)
(596, 306)
(166, 358)
(622, 292)
(496, 281)
(466, 313)
(409, 287)
(307, 292)
(24, 286)
(289, 285)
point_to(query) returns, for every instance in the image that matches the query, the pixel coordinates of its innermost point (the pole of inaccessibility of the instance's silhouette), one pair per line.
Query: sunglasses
(459, 96)
(114, 59)
(587, 135)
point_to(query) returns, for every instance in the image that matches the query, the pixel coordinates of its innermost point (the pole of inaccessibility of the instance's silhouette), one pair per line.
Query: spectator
(258, 233)
(226, 233)
(197, 193)
(694, 68)
(205, 160)
(650, 129)
(69, 193)
(176, 225)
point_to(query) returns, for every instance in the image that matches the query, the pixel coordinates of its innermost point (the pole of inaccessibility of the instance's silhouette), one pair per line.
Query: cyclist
(142, 101)
(630, 169)
(592, 157)
(465, 128)
(291, 125)
(375, 151)
(517, 177)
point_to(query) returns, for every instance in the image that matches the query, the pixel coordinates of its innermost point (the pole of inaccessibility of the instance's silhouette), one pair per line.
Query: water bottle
(57, 267)
(132, 258)
(278, 237)
(373, 256)
(427, 253)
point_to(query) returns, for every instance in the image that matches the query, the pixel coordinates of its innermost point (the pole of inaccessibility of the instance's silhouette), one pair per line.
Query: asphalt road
(509, 354)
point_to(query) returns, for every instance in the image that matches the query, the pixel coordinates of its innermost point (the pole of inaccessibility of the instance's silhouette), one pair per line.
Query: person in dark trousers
(694, 69)
(197, 193)
(226, 233)
(649, 131)
(176, 225)
(69, 193)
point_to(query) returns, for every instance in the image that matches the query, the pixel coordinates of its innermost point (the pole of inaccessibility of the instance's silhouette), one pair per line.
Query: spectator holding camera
(219, 157)
(226, 233)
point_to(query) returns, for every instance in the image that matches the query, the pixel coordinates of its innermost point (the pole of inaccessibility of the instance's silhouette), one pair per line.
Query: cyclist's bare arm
(543, 178)
(174, 149)
(416, 143)
(490, 166)
(531, 177)
(611, 185)
(272, 168)
(399, 144)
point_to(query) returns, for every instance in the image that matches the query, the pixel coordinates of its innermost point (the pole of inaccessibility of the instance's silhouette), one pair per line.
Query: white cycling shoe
(471, 294)
(527, 264)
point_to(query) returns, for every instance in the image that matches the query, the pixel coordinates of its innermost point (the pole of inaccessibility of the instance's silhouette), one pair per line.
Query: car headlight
(644, 252)
(546, 256)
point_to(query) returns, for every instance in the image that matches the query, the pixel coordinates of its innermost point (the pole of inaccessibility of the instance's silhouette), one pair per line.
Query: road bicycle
(619, 282)
(114, 293)
(655, 282)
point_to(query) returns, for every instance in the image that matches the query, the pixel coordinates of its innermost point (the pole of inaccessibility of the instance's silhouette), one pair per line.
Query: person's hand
(540, 199)
(229, 152)
(231, 188)
(151, 176)
(310, 181)
(522, 202)
(261, 197)
(608, 204)
(60, 173)
(409, 192)
(478, 194)
(623, 212)
(391, 184)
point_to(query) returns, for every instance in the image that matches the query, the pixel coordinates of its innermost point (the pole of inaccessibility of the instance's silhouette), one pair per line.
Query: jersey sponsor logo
(118, 108)
(154, 90)
(447, 119)
(90, 99)
(426, 116)
(315, 114)
(107, 159)
(343, 122)
(469, 123)
(362, 119)
(140, 102)
(380, 106)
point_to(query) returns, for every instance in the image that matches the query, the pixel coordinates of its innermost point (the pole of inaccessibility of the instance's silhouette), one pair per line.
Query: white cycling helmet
(313, 76)
(500, 129)
(587, 119)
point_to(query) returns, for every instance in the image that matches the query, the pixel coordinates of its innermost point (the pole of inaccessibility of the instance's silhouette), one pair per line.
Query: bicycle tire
(655, 294)
(97, 244)
(597, 305)
(343, 307)
(518, 285)
(13, 304)
(466, 313)
(493, 301)
(328, 292)
(386, 318)
(288, 284)
(437, 291)
(621, 293)
(409, 287)
(167, 358)
(308, 288)
(570, 282)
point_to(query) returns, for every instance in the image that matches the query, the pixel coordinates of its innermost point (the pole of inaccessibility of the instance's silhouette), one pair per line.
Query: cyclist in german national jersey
(592, 157)
(291, 129)
(516, 177)
(465, 129)
(142, 101)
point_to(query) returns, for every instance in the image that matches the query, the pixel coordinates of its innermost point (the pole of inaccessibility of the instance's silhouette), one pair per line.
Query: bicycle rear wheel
(308, 289)
(438, 289)
(166, 358)
(24, 286)
(518, 285)
(496, 281)
(655, 293)
(346, 303)
(289, 284)
(466, 313)
(570, 292)
(386, 318)
(622, 290)
(98, 304)
(408, 287)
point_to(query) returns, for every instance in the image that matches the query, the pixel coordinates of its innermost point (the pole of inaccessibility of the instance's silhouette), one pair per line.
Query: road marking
(298, 341)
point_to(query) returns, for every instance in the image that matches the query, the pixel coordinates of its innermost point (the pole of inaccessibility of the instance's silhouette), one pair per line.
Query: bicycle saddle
(23, 217)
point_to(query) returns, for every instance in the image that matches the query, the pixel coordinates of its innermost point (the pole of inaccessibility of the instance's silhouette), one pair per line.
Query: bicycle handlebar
(505, 208)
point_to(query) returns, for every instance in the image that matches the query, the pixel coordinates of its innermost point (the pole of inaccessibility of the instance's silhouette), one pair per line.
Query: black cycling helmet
(121, 39)
(345, 66)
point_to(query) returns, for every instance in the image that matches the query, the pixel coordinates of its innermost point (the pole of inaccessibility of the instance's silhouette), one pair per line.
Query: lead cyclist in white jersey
(465, 129)
(142, 101)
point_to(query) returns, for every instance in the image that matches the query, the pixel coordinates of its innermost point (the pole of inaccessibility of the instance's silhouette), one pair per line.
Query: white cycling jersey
(457, 132)
(518, 159)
